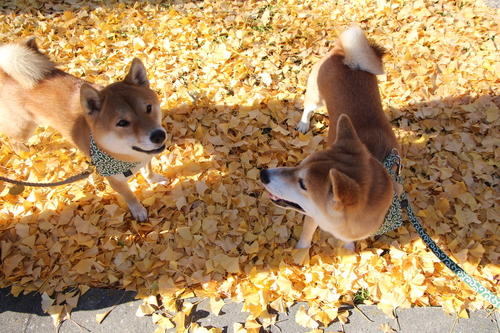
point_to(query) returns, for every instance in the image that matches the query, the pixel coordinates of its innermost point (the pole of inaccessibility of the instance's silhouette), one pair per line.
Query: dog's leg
(350, 246)
(307, 233)
(305, 120)
(136, 208)
(18, 131)
(312, 101)
(152, 177)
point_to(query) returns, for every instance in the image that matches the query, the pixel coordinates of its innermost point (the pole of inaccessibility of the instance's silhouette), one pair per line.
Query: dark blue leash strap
(473, 283)
(394, 158)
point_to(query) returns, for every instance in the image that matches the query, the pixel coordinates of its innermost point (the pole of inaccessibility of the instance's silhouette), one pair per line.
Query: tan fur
(34, 92)
(347, 190)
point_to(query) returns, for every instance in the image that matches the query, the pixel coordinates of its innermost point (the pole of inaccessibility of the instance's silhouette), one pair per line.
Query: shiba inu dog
(345, 189)
(118, 126)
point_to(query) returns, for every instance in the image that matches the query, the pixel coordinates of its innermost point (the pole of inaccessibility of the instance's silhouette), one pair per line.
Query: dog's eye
(123, 123)
(302, 185)
(149, 108)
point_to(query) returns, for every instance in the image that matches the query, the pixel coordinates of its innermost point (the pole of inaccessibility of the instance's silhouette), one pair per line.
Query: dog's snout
(158, 136)
(264, 176)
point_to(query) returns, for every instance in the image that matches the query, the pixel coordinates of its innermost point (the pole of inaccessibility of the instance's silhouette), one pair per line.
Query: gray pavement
(23, 314)
(492, 3)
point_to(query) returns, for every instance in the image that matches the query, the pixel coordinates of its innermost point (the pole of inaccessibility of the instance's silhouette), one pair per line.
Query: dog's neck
(106, 164)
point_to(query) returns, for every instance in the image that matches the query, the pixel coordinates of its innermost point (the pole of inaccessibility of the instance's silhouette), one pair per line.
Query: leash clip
(397, 162)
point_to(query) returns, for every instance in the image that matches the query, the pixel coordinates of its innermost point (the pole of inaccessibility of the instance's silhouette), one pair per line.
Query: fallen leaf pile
(231, 78)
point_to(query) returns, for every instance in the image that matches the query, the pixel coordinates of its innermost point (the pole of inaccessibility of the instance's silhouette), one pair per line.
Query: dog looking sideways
(345, 189)
(118, 127)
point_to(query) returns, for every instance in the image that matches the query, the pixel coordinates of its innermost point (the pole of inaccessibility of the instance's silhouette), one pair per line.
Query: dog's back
(345, 82)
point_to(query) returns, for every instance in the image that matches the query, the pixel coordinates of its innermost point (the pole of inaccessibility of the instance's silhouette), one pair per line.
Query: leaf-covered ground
(231, 77)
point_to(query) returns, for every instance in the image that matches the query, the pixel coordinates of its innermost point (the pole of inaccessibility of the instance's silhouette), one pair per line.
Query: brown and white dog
(118, 126)
(345, 190)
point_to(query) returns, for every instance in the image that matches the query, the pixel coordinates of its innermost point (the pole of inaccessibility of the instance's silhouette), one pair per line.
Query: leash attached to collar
(19, 185)
(107, 165)
(394, 217)
(391, 222)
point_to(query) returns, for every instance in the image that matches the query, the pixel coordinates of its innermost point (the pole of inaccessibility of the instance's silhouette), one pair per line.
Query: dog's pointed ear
(347, 138)
(345, 129)
(137, 75)
(31, 43)
(346, 191)
(90, 99)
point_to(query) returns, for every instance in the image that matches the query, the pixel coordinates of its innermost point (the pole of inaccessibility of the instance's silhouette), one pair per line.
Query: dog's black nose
(264, 176)
(158, 136)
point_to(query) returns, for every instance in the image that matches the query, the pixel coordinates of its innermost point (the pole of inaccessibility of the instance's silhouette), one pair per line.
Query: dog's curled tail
(360, 53)
(25, 63)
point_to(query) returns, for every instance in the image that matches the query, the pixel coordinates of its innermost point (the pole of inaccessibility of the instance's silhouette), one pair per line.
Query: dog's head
(125, 117)
(339, 187)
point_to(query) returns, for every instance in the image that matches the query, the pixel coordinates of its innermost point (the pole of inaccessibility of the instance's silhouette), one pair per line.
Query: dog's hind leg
(303, 125)
(312, 101)
(19, 131)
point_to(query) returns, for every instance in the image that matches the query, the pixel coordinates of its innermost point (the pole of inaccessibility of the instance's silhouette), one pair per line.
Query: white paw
(303, 127)
(139, 213)
(303, 244)
(350, 246)
(158, 179)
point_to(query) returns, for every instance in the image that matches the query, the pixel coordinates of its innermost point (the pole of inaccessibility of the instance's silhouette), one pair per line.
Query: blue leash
(394, 158)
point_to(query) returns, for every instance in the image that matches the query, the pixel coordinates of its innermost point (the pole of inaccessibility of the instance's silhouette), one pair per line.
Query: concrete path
(492, 3)
(23, 314)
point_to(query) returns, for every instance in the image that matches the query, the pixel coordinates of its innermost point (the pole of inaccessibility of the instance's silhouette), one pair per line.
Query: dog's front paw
(303, 244)
(139, 213)
(158, 179)
(350, 246)
(303, 127)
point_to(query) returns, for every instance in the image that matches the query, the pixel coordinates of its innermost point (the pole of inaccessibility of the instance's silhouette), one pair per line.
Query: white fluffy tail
(25, 63)
(359, 53)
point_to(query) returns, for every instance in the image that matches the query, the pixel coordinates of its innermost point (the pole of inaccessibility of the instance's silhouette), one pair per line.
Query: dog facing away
(345, 189)
(118, 127)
